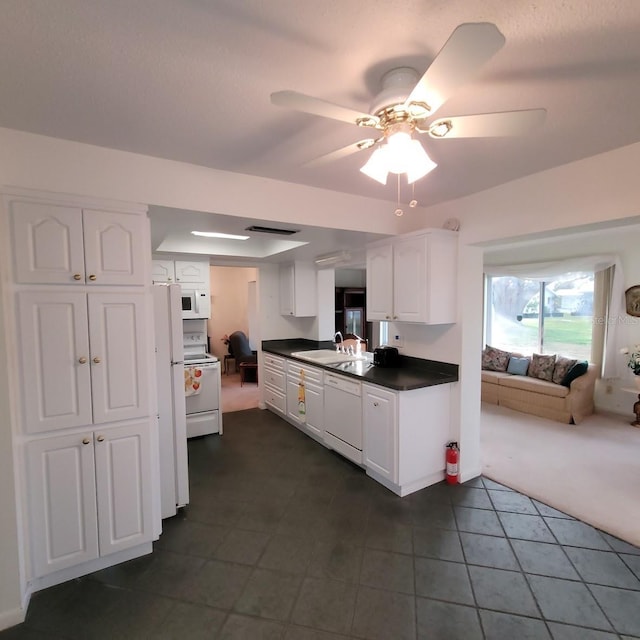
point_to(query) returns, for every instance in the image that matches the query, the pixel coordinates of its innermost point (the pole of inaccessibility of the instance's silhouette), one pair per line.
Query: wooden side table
(228, 357)
(248, 366)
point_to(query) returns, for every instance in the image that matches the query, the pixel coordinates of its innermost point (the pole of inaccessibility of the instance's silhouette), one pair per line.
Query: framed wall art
(632, 299)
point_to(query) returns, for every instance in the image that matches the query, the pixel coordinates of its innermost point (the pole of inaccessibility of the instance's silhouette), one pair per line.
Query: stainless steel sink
(326, 356)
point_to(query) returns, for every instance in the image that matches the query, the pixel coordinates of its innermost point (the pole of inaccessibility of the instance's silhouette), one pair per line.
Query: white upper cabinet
(163, 271)
(56, 244)
(192, 273)
(298, 289)
(412, 278)
(380, 282)
(82, 358)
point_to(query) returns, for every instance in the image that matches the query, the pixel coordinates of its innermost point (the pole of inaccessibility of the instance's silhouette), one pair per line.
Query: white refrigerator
(172, 418)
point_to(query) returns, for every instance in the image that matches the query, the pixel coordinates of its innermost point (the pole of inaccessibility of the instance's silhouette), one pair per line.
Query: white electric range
(202, 382)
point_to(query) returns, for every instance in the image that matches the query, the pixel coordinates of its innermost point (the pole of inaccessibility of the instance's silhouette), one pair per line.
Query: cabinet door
(287, 292)
(47, 243)
(54, 354)
(192, 272)
(314, 400)
(163, 271)
(119, 367)
(409, 279)
(123, 485)
(380, 444)
(380, 283)
(115, 251)
(62, 502)
(313, 416)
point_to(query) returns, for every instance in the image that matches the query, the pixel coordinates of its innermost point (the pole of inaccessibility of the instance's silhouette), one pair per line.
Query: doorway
(233, 308)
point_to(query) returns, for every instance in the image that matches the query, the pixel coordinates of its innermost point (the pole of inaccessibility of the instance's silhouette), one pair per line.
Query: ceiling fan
(407, 103)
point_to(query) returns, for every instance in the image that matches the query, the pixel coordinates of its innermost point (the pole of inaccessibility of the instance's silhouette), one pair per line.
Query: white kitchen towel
(192, 378)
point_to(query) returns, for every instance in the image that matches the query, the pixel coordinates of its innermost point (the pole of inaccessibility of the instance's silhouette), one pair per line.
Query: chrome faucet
(335, 340)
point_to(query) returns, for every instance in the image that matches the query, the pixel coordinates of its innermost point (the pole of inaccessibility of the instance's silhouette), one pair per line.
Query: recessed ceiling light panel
(215, 234)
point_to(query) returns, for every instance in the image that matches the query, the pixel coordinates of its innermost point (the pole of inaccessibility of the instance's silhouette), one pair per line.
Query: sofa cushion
(493, 377)
(578, 369)
(535, 385)
(495, 359)
(561, 369)
(542, 366)
(518, 366)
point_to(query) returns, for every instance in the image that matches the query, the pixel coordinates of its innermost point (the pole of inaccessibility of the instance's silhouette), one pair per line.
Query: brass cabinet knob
(92, 277)
(100, 438)
(77, 276)
(82, 360)
(86, 440)
(97, 360)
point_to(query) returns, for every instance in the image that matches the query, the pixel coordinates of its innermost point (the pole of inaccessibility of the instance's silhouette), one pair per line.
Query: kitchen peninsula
(393, 422)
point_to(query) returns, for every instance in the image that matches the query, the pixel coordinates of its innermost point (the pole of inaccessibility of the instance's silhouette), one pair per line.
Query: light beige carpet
(590, 471)
(236, 397)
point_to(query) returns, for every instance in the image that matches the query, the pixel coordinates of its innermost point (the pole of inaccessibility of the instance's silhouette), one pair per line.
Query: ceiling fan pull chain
(413, 202)
(399, 211)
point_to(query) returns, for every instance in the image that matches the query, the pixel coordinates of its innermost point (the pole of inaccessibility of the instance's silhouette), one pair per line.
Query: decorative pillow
(542, 366)
(518, 366)
(562, 367)
(578, 369)
(495, 359)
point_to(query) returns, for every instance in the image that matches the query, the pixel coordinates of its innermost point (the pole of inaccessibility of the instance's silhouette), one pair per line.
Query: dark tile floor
(285, 540)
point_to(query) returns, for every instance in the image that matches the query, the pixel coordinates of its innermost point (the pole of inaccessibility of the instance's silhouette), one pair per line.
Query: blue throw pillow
(578, 369)
(518, 366)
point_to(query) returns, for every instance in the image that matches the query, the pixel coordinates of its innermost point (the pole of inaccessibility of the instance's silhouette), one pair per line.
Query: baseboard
(470, 474)
(12, 617)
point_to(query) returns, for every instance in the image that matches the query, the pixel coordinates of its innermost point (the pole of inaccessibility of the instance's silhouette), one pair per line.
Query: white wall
(39, 162)
(10, 591)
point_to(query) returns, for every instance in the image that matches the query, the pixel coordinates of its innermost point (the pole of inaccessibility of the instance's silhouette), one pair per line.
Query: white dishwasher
(343, 416)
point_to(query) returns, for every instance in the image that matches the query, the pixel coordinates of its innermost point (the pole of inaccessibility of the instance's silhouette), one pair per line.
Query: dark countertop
(413, 373)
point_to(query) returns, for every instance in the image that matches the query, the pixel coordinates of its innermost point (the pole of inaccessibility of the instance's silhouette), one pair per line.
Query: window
(553, 316)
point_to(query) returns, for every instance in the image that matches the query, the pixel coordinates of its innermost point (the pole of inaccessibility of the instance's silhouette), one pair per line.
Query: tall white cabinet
(85, 448)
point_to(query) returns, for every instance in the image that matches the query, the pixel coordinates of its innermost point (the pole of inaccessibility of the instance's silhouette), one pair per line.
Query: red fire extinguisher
(451, 473)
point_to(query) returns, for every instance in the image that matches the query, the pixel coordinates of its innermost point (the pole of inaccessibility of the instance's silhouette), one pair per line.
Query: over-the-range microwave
(195, 304)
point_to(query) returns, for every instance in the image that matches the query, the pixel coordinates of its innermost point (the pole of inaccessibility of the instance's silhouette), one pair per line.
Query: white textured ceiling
(190, 80)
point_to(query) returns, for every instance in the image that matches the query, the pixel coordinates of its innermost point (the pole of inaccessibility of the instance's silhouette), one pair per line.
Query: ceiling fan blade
(466, 50)
(361, 145)
(318, 107)
(484, 125)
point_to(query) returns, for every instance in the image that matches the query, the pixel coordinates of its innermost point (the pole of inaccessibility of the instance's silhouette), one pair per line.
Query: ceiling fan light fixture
(418, 162)
(376, 166)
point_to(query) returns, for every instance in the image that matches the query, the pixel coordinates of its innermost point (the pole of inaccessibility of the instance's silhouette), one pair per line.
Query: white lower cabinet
(308, 416)
(405, 436)
(90, 495)
(380, 436)
(274, 379)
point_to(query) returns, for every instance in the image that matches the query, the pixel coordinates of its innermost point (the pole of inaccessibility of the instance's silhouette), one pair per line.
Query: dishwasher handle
(343, 384)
